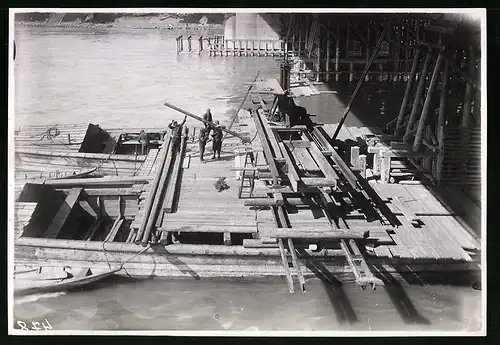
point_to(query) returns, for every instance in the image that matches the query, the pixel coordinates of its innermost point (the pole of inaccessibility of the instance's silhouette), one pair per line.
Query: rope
(50, 133)
(124, 262)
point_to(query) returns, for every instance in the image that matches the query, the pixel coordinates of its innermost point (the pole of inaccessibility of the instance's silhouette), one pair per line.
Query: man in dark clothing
(143, 139)
(176, 134)
(207, 116)
(204, 133)
(217, 139)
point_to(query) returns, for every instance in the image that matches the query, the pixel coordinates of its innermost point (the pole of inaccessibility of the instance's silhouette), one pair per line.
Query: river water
(121, 77)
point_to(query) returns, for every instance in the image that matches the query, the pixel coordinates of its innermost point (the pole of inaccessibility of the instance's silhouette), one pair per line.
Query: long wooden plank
(114, 230)
(244, 139)
(267, 149)
(323, 163)
(173, 184)
(292, 172)
(271, 136)
(84, 204)
(239, 229)
(63, 213)
(100, 181)
(341, 164)
(308, 234)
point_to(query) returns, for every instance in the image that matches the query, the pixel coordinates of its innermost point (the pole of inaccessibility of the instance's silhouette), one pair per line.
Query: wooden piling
(327, 65)
(466, 115)
(348, 29)
(428, 99)
(337, 53)
(407, 51)
(409, 87)
(418, 97)
(441, 122)
(318, 53)
(396, 63)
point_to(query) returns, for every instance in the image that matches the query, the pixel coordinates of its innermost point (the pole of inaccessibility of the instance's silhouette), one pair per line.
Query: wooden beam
(114, 230)
(160, 163)
(441, 122)
(208, 228)
(409, 87)
(325, 166)
(342, 166)
(84, 204)
(101, 181)
(267, 149)
(174, 184)
(319, 182)
(334, 234)
(110, 192)
(237, 135)
(272, 138)
(292, 173)
(418, 96)
(63, 213)
(427, 105)
(297, 144)
(466, 110)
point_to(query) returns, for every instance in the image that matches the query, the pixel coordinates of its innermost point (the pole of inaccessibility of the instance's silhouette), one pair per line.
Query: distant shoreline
(143, 25)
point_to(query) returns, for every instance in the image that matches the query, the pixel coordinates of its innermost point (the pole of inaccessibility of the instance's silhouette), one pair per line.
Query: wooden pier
(295, 199)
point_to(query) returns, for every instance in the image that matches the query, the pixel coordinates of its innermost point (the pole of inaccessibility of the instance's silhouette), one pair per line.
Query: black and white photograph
(247, 171)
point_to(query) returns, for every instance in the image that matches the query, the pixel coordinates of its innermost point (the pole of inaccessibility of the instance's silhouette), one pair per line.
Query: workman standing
(143, 140)
(176, 134)
(204, 134)
(207, 117)
(217, 139)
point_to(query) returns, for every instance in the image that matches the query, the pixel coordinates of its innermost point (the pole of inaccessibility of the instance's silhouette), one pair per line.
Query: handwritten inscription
(34, 325)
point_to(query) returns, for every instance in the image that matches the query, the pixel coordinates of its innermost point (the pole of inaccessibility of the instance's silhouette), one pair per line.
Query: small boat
(72, 149)
(56, 279)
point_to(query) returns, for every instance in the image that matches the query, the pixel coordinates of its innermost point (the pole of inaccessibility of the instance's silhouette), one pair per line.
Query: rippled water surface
(121, 77)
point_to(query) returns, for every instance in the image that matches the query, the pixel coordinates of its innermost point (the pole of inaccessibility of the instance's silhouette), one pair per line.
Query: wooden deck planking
(443, 240)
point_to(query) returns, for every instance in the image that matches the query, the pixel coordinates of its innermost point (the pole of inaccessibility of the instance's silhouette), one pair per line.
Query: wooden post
(418, 96)
(354, 156)
(347, 39)
(466, 115)
(407, 94)
(227, 238)
(385, 167)
(337, 53)
(299, 52)
(351, 71)
(441, 122)
(327, 65)
(427, 105)
(407, 51)
(396, 65)
(368, 48)
(426, 161)
(318, 62)
(362, 165)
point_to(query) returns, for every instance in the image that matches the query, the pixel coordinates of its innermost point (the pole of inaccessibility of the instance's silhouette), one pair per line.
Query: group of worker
(176, 129)
(205, 134)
